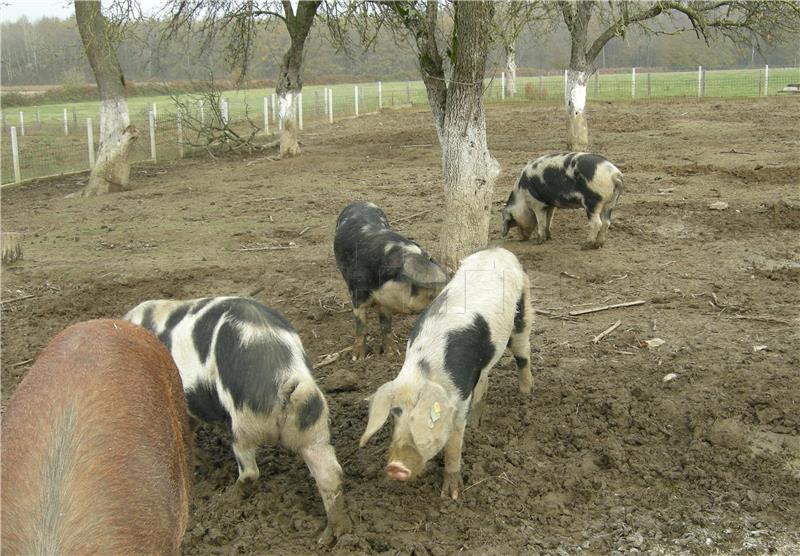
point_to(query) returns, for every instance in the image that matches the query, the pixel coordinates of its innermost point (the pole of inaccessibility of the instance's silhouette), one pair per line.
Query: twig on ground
(568, 275)
(304, 230)
(412, 216)
(415, 146)
(762, 319)
(21, 363)
(272, 248)
(15, 299)
(734, 151)
(606, 307)
(615, 278)
(331, 357)
(606, 332)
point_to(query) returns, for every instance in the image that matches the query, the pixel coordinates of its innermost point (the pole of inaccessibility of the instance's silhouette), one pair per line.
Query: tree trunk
(290, 81)
(511, 66)
(112, 169)
(575, 101)
(469, 169)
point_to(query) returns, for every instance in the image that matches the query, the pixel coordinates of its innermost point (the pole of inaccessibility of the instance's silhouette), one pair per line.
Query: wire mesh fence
(52, 140)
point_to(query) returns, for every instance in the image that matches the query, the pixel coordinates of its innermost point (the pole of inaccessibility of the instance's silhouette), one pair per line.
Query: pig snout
(396, 471)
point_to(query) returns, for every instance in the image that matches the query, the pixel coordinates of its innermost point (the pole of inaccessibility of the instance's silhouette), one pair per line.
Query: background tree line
(49, 52)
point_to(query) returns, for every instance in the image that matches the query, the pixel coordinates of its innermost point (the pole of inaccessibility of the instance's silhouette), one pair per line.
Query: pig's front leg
(360, 321)
(453, 485)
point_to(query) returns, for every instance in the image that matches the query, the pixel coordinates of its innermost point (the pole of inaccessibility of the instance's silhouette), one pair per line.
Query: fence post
(300, 110)
(325, 100)
(766, 80)
(380, 96)
(330, 105)
(758, 84)
(502, 85)
(201, 109)
(154, 110)
(633, 82)
(15, 154)
(648, 84)
(223, 108)
(22, 123)
(266, 115)
(151, 119)
(408, 92)
(565, 83)
(356, 97)
(699, 81)
(38, 118)
(66, 123)
(90, 141)
(274, 112)
(179, 131)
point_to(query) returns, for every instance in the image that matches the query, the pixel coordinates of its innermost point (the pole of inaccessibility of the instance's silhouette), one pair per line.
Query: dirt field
(607, 455)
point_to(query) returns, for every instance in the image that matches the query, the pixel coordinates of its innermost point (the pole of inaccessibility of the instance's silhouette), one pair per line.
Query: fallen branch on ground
(272, 248)
(606, 307)
(21, 363)
(606, 332)
(15, 299)
(568, 275)
(331, 357)
(762, 319)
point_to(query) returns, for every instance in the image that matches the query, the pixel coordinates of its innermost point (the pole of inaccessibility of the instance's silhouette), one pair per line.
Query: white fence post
(151, 119)
(699, 81)
(266, 115)
(22, 123)
(330, 105)
(201, 109)
(66, 123)
(274, 112)
(380, 96)
(300, 111)
(565, 83)
(90, 141)
(325, 99)
(766, 80)
(179, 131)
(356, 97)
(155, 115)
(15, 154)
(502, 85)
(223, 107)
(633, 82)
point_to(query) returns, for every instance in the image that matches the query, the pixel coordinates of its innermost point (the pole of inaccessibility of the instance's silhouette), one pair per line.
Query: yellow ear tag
(436, 413)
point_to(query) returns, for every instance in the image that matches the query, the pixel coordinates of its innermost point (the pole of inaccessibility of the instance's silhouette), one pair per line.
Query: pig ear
(423, 272)
(431, 419)
(379, 406)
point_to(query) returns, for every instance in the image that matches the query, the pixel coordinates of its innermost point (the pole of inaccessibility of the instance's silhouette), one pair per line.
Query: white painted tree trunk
(511, 66)
(289, 143)
(470, 173)
(111, 172)
(575, 104)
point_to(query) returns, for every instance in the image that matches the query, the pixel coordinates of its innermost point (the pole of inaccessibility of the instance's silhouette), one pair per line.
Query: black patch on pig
(431, 309)
(520, 361)
(587, 165)
(174, 318)
(204, 403)
(197, 307)
(240, 309)
(466, 354)
(147, 319)
(425, 367)
(310, 411)
(519, 314)
(251, 373)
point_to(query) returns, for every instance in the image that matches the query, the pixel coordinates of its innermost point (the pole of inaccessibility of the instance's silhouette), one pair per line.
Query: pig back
(96, 447)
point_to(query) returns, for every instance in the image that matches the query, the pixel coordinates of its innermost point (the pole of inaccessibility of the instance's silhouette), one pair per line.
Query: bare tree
(511, 18)
(456, 103)
(741, 21)
(240, 20)
(99, 36)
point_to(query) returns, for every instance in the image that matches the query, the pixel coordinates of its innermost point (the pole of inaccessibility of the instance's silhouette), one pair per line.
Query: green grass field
(46, 149)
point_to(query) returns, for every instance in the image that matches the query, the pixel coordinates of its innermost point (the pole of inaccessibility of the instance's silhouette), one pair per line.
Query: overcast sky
(12, 10)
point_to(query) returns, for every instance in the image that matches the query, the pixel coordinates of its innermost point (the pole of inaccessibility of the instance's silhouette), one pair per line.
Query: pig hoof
(538, 240)
(243, 489)
(586, 245)
(359, 352)
(333, 531)
(452, 485)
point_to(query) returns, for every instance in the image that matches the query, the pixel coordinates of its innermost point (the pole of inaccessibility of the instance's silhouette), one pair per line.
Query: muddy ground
(606, 455)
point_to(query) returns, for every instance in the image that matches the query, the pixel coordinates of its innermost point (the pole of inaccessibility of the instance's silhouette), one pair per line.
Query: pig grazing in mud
(244, 364)
(97, 453)
(567, 181)
(382, 269)
(451, 350)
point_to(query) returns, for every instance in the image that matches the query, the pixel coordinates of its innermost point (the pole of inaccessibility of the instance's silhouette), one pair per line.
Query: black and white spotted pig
(382, 269)
(243, 363)
(566, 181)
(452, 348)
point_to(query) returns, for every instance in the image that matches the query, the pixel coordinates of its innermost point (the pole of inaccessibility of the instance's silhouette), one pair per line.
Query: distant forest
(49, 52)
